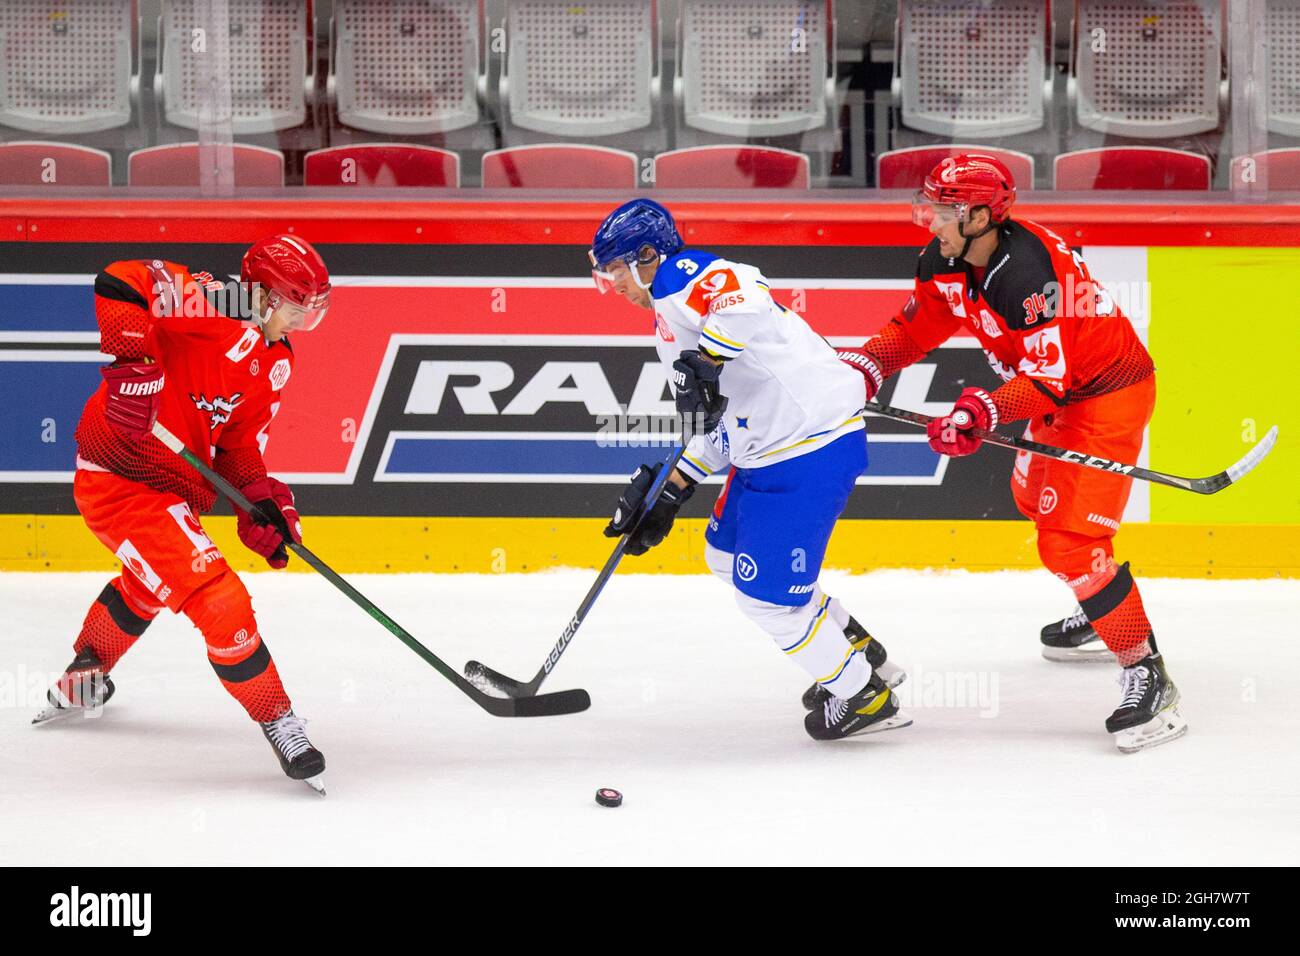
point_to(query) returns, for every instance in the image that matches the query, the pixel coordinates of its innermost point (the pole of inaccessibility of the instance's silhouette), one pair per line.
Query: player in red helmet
(1072, 366)
(207, 359)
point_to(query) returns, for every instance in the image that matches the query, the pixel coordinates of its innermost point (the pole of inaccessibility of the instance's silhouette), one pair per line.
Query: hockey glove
(951, 434)
(866, 365)
(274, 522)
(648, 528)
(134, 394)
(699, 402)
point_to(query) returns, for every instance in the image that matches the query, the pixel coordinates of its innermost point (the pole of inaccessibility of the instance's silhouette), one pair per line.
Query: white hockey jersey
(788, 393)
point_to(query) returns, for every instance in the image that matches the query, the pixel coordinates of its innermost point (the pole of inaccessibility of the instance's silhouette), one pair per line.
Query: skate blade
(317, 783)
(896, 722)
(1092, 652)
(51, 713)
(1160, 729)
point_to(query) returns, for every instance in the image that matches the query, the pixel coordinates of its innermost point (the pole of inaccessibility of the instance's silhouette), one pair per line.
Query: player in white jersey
(762, 394)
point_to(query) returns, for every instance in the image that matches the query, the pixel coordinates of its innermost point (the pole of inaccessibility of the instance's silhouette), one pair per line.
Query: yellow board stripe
(497, 545)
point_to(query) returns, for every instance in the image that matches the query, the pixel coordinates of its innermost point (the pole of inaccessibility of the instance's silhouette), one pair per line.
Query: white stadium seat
(66, 68)
(967, 68)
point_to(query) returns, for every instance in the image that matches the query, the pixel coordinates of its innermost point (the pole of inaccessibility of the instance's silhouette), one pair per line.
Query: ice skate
(873, 709)
(1148, 715)
(893, 675)
(300, 760)
(83, 689)
(1073, 640)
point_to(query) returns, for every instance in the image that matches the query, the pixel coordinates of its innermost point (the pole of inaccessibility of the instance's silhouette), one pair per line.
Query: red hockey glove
(275, 521)
(134, 394)
(865, 364)
(951, 434)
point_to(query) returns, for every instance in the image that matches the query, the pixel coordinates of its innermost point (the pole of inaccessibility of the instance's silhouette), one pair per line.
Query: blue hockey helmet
(625, 234)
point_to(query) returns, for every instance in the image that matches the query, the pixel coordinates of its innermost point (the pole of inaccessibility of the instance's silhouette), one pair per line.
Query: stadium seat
(269, 67)
(967, 68)
(177, 164)
(407, 67)
(580, 70)
(755, 67)
(1148, 69)
(1131, 167)
(731, 167)
(1279, 167)
(381, 165)
(1282, 36)
(66, 67)
(907, 168)
(549, 166)
(53, 164)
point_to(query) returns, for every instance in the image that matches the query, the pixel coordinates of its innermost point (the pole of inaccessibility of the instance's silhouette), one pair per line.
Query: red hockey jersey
(222, 380)
(1051, 333)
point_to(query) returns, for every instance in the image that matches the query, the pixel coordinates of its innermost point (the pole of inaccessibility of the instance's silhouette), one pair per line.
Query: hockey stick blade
(543, 705)
(1234, 473)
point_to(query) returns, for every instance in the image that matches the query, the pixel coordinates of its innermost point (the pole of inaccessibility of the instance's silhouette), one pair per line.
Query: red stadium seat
(731, 167)
(382, 165)
(1131, 167)
(53, 164)
(907, 168)
(557, 166)
(1280, 166)
(178, 165)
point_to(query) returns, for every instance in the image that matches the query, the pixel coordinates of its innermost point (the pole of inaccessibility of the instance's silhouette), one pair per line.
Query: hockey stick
(484, 676)
(1202, 486)
(547, 705)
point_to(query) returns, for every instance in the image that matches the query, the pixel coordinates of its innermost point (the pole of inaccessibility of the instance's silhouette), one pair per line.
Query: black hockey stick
(547, 705)
(1202, 486)
(484, 676)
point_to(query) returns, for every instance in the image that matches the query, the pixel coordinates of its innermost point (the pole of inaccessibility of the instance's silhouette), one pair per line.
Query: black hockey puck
(609, 798)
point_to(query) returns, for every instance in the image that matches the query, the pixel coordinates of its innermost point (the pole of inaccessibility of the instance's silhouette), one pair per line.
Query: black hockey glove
(699, 402)
(648, 528)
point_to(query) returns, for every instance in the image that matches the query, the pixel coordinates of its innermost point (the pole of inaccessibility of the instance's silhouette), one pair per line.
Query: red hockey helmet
(959, 184)
(293, 274)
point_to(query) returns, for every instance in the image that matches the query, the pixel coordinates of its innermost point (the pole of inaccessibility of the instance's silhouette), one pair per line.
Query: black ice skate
(1148, 714)
(1073, 640)
(893, 675)
(872, 710)
(83, 689)
(300, 760)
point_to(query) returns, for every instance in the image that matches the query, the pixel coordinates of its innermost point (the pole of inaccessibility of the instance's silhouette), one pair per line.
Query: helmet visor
(304, 318)
(936, 215)
(600, 273)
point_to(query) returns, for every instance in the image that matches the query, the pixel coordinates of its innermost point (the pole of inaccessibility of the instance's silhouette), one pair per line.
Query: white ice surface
(695, 717)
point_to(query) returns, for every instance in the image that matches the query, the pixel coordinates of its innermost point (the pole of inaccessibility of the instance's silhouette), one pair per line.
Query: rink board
(471, 404)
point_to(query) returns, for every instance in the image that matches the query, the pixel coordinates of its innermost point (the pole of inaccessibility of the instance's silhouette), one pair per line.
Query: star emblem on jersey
(742, 422)
(220, 408)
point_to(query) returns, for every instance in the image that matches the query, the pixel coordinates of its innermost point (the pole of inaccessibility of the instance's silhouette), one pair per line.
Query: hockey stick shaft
(433, 660)
(515, 689)
(1202, 486)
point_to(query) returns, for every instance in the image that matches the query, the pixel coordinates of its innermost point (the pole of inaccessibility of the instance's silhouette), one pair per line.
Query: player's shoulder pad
(930, 263)
(1020, 278)
(678, 271)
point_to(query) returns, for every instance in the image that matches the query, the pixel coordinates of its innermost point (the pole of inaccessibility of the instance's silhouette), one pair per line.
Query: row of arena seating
(421, 67)
(596, 167)
(744, 68)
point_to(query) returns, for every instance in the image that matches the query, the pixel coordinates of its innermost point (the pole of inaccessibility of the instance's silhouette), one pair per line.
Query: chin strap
(961, 231)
